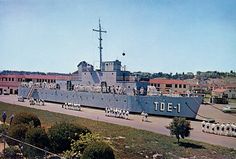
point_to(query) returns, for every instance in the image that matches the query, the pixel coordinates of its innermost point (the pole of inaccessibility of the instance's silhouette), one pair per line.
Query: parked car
(5, 92)
(21, 99)
(229, 109)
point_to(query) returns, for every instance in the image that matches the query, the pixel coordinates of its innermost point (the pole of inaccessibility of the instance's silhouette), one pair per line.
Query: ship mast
(100, 41)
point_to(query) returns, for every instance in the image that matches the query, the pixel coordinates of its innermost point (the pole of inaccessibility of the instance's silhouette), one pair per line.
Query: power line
(25, 143)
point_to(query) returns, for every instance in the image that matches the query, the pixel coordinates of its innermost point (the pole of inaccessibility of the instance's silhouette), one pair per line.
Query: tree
(37, 137)
(26, 118)
(180, 127)
(98, 150)
(61, 135)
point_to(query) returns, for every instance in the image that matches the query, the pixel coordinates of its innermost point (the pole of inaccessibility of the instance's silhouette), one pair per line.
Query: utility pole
(100, 41)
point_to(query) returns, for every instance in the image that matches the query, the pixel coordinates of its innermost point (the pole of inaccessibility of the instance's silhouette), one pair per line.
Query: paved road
(156, 124)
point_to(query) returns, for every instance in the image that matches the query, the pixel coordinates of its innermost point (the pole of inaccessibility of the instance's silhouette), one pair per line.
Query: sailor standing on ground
(4, 117)
(11, 118)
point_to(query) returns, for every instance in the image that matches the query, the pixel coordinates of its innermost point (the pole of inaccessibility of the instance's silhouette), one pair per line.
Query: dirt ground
(155, 124)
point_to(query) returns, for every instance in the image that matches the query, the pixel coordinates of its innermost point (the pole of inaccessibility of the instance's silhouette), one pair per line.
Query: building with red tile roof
(10, 82)
(221, 92)
(170, 85)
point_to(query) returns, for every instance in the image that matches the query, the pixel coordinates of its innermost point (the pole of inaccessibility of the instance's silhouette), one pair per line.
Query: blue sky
(156, 35)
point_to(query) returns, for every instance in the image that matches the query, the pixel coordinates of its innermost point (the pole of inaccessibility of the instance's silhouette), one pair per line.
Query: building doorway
(11, 91)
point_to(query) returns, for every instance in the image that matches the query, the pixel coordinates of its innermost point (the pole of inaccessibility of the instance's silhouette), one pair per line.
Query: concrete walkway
(155, 124)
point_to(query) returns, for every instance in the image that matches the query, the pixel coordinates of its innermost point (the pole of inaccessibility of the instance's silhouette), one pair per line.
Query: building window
(169, 85)
(180, 85)
(184, 85)
(176, 86)
(158, 85)
(12, 79)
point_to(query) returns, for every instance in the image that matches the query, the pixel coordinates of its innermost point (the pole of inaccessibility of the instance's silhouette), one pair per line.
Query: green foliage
(84, 141)
(78, 146)
(4, 128)
(180, 127)
(137, 140)
(61, 135)
(26, 118)
(98, 150)
(12, 152)
(37, 137)
(18, 132)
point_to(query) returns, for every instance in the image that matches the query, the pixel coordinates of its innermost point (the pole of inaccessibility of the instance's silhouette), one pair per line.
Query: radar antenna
(100, 41)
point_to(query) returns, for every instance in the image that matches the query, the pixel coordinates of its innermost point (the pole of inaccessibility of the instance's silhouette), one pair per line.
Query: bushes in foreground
(37, 137)
(12, 152)
(22, 122)
(70, 138)
(85, 148)
(98, 150)
(61, 135)
(26, 118)
(17, 132)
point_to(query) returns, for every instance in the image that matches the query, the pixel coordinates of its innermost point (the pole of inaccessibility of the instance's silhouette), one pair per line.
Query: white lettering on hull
(162, 107)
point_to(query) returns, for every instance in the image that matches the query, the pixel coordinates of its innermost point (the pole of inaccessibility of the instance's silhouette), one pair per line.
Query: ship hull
(154, 105)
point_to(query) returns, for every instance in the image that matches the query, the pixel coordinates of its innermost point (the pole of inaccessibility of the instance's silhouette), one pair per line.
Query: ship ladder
(30, 93)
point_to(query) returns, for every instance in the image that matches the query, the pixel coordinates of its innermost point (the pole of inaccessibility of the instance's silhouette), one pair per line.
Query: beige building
(220, 92)
(170, 85)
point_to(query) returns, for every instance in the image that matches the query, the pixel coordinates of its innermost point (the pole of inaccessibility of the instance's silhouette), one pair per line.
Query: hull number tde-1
(166, 106)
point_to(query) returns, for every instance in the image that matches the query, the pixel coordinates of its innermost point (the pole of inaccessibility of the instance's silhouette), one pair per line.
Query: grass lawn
(137, 143)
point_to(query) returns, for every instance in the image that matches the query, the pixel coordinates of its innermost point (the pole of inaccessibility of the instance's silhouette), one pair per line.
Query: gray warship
(112, 86)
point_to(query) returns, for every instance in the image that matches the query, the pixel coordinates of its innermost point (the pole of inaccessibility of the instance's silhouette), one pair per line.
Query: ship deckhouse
(110, 75)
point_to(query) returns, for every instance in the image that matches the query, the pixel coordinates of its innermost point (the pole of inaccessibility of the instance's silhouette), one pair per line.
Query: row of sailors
(82, 88)
(39, 85)
(140, 91)
(98, 89)
(228, 129)
(71, 106)
(118, 113)
(33, 101)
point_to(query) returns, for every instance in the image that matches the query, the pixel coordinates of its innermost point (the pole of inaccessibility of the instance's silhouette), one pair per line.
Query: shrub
(98, 150)
(26, 118)
(12, 152)
(180, 127)
(37, 137)
(61, 135)
(18, 132)
(4, 128)
(78, 146)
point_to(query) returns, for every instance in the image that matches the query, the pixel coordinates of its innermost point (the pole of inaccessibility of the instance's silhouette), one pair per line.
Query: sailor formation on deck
(116, 112)
(228, 129)
(40, 85)
(98, 89)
